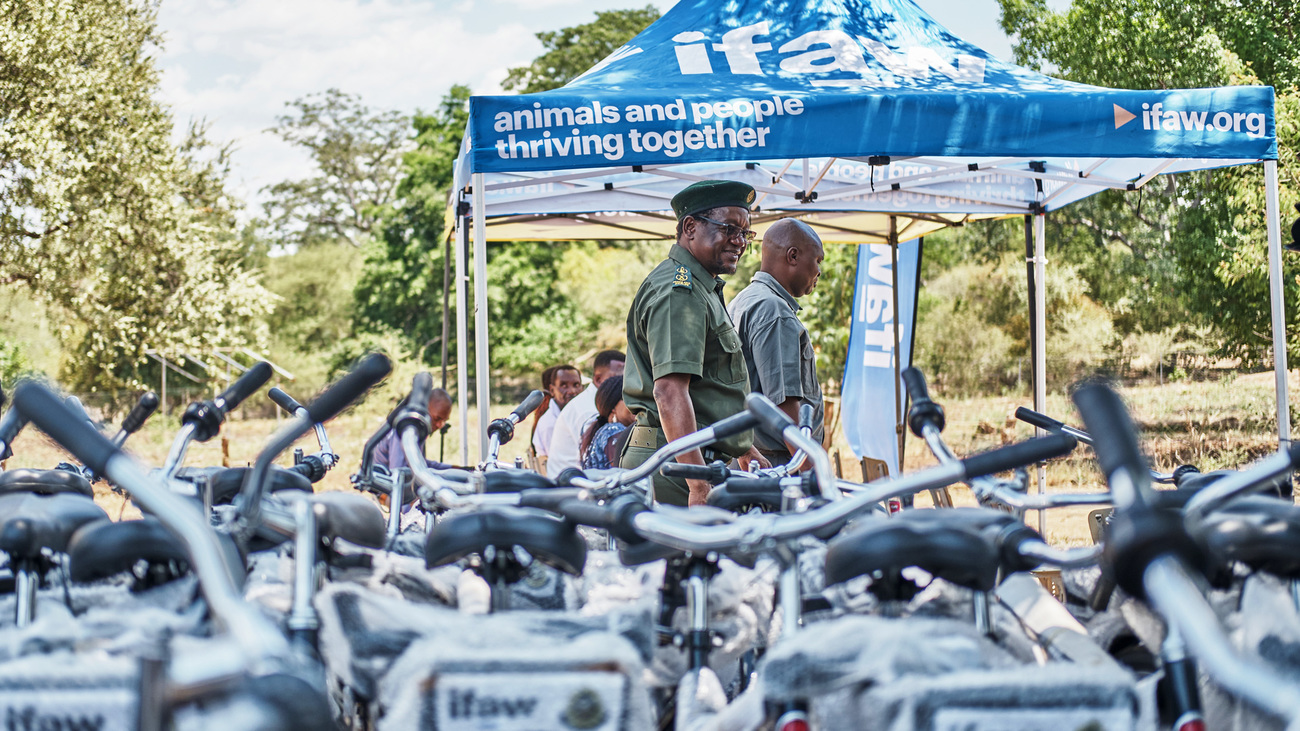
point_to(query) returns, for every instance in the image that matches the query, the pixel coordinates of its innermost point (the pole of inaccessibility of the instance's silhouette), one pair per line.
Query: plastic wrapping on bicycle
(548, 538)
(1261, 532)
(884, 547)
(32, 522)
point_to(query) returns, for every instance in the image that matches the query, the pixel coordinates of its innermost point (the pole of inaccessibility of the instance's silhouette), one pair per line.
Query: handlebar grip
(914, 382)
(1114, 438)
(806, 412)
(714, 472)
(414, 411)
(923, 410)
(243, 387)
(12, 423)
(284, 400)
(371, 370)
(1018, 455)
(74, 405)
(1042, 421)
(140, 413)
(421, 390)
(767, 413)
(734, 424)
(587, 512)
(52, 416)
(528, 406)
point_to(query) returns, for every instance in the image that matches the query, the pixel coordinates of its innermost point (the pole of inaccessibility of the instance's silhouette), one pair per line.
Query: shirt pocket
(731, 361)
(808, 371)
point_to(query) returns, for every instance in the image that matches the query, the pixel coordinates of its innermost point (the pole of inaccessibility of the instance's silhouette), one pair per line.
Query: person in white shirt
(575, 416)
(562, 385)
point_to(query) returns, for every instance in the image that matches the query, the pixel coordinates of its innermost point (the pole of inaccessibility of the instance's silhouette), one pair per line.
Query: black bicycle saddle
(883, 548)
(30, 522)
(548, 538)
(44, 482)
(1260, 532)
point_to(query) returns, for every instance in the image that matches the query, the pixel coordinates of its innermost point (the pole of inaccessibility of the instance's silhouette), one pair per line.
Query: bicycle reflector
(792, 721)
(1190, 721)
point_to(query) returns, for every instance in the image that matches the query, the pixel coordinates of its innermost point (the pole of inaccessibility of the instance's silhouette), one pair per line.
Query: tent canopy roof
(893, 114)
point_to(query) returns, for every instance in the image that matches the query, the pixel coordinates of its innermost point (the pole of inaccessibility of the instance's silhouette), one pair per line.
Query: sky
(235, 63)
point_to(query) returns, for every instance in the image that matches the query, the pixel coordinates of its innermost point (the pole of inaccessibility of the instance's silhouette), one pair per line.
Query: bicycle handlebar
(714, 473)
(143, 409)
(528, 406)
(284, 400)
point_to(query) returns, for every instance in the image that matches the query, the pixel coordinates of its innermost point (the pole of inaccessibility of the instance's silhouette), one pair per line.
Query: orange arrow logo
(1122, 116)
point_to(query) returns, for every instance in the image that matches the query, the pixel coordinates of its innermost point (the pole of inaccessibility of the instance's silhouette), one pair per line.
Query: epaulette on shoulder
(682, 278)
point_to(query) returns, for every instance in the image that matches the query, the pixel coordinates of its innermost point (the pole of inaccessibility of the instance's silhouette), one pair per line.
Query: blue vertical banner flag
(870, 384)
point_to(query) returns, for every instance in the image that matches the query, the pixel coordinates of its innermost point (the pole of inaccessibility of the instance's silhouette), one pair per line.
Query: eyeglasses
(731, 231)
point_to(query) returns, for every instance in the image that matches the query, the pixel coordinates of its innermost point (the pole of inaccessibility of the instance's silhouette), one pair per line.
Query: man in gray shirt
(776, 346)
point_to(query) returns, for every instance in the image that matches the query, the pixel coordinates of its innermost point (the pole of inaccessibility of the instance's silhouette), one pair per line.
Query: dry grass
(1213, 424)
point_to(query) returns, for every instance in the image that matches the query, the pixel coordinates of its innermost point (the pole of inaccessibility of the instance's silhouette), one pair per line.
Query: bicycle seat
(548, 538)
(345, 515)
(32, 522)
(226, 483)
(44, 482)
(104, 548)
(514, 481)
(883, 548)
(1260, 532)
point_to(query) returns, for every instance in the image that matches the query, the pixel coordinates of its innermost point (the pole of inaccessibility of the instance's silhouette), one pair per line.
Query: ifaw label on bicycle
(37, 700)
(1032, 719)
(584, 701)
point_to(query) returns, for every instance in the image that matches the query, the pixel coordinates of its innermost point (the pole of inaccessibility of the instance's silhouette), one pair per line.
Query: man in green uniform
(685, 369)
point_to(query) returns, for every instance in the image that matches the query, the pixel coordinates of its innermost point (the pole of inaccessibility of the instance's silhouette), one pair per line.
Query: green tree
(127, 237)
(358, 156)
(401, 282)
(569, 52)
(1196, 245)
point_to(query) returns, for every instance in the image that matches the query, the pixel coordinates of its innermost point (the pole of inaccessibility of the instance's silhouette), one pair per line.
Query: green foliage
(314, 312)
(1192, 251)
(358, 155)
(973, 326)
(401, 282)
(126, 236)
(571, 51)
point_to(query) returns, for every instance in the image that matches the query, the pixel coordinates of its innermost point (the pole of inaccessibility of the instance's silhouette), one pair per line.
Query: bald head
(792, 254)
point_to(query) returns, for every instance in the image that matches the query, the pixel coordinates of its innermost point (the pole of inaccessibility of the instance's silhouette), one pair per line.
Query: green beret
(708, 194)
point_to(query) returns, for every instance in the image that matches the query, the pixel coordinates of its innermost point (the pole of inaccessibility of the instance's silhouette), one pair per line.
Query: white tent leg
(1278, 306)
(462, 339)
(1040, 338)
(482, 374)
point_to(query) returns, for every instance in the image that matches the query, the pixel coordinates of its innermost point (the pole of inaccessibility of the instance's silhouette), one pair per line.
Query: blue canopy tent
(868, 120)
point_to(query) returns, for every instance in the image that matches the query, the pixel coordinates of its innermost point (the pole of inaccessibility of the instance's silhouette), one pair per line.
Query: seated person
(389, 450)
(602, 439)
(561, 384)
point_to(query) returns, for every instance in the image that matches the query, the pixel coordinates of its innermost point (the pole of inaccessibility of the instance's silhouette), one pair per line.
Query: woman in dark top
(601, 441)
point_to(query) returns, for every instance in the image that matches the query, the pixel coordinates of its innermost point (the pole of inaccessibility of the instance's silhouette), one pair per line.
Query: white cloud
(236, 63)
